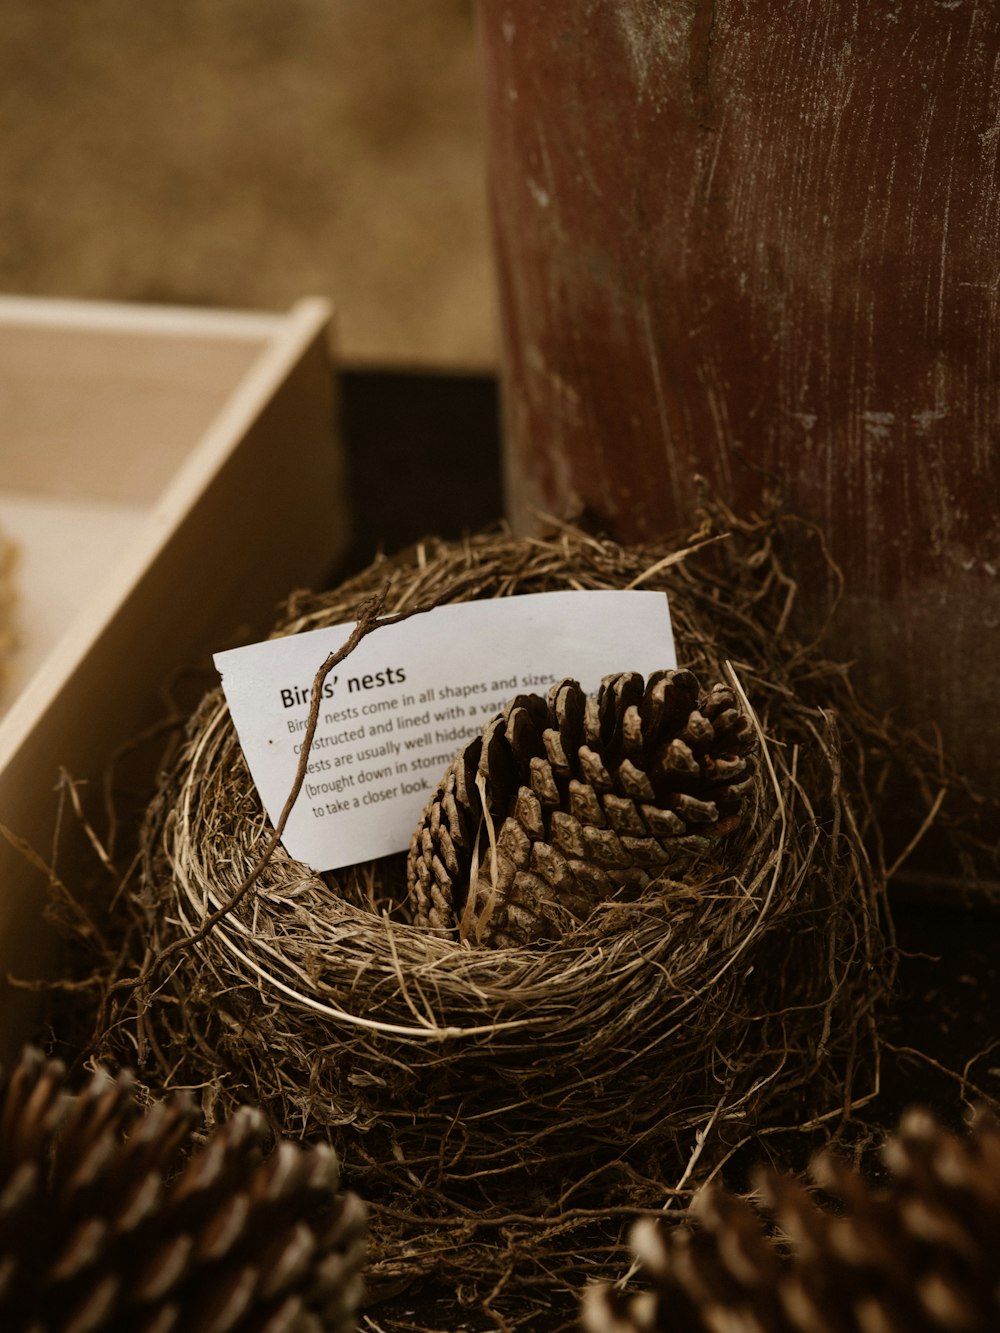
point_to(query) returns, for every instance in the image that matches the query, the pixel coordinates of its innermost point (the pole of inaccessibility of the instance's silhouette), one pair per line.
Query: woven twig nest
(729, 987)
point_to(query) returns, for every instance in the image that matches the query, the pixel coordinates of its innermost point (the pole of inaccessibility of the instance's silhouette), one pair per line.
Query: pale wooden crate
(168, 475)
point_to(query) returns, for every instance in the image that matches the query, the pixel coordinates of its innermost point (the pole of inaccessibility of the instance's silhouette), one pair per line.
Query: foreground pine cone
(917, 1257)
(587, 798)
(99, 1232)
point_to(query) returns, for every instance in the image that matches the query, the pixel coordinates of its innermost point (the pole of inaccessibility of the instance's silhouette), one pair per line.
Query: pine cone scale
(623, 816)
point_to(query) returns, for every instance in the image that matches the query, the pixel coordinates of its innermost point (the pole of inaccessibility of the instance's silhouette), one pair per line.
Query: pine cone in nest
(568, 801)
(99, 1231)
(917, 1257)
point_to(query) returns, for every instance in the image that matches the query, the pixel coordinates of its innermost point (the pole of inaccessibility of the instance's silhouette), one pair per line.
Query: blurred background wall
(225, 153)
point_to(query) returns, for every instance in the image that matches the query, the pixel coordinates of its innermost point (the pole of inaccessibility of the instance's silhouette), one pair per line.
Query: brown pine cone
(588, 799)
(917, 1257)
(100, 1231)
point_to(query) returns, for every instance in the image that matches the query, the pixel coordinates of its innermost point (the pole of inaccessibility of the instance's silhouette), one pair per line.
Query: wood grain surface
(759, 241)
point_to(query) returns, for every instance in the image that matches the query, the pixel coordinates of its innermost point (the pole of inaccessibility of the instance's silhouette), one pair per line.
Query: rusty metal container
(761, 242)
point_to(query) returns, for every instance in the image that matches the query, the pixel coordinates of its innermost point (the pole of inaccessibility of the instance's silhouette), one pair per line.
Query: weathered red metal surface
(760, 241)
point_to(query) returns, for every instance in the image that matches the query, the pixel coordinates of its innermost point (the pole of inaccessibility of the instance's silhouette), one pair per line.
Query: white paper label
(399, 708)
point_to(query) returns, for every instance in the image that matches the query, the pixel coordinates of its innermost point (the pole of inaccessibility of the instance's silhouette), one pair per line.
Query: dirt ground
(228, 154)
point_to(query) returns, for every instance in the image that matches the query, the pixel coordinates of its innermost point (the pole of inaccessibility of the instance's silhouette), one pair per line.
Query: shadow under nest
(506, 1111)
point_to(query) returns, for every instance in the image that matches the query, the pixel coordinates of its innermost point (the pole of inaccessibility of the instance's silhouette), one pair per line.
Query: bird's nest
(488, 1100)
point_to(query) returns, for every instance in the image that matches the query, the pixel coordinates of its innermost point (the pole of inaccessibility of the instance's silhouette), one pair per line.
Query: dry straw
(489, 1103)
